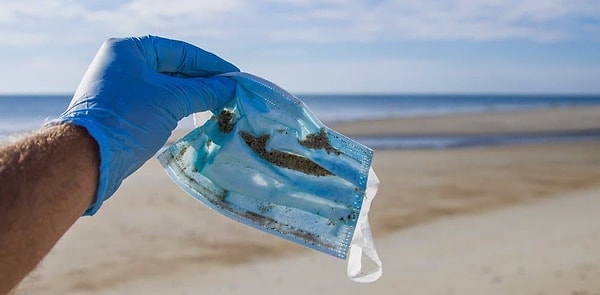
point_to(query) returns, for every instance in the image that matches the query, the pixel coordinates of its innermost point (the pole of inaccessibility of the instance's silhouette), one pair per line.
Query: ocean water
(22, 113)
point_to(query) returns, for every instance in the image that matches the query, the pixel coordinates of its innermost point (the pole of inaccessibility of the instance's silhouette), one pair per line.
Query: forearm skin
(47, 181)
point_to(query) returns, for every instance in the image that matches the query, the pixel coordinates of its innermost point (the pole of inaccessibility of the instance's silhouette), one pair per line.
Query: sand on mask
(264, 160)
(282, 159)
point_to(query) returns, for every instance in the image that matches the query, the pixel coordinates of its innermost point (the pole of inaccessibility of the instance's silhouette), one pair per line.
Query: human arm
(47, 181)
(128, 102)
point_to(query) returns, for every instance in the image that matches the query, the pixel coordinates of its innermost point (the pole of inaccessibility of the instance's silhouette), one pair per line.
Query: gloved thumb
(201, 94)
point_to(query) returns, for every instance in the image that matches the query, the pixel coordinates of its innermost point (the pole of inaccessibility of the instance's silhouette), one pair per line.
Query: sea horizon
(26, 112)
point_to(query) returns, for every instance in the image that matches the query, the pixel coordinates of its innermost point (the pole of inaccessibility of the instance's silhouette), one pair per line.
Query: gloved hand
(134, 93)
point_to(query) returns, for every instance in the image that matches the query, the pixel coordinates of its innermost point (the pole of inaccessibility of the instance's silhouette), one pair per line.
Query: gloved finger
(200, 94)
(173, 56)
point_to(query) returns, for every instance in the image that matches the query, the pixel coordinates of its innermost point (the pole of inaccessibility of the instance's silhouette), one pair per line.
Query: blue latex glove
(134, 93)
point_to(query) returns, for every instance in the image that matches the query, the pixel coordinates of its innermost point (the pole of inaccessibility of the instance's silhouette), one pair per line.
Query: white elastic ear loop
(362, 241)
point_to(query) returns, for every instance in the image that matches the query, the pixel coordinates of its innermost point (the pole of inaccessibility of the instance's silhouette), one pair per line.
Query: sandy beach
(520, 219)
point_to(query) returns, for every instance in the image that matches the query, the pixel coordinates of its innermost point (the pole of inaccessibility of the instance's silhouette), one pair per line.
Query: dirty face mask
(264, 160)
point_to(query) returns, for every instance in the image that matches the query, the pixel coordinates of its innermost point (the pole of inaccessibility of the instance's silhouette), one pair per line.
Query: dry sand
(515, 219)
(547, 247)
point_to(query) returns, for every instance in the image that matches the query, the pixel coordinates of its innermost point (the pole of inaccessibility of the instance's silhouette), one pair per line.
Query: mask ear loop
(362, 241)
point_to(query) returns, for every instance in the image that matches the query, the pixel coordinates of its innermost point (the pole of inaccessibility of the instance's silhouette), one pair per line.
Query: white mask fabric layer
(265, 160)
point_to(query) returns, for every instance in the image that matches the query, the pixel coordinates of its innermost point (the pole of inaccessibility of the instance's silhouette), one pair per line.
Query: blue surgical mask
(265, 160)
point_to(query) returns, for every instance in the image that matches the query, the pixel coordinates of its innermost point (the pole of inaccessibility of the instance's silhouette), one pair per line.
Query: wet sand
(445, 222)
(525, 121)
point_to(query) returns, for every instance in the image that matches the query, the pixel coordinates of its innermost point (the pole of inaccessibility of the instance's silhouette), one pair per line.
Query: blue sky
(310, 46)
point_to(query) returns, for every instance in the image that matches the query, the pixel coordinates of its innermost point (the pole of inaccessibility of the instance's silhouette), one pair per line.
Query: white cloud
(487, 20)
(42, 38)
(301, 20)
